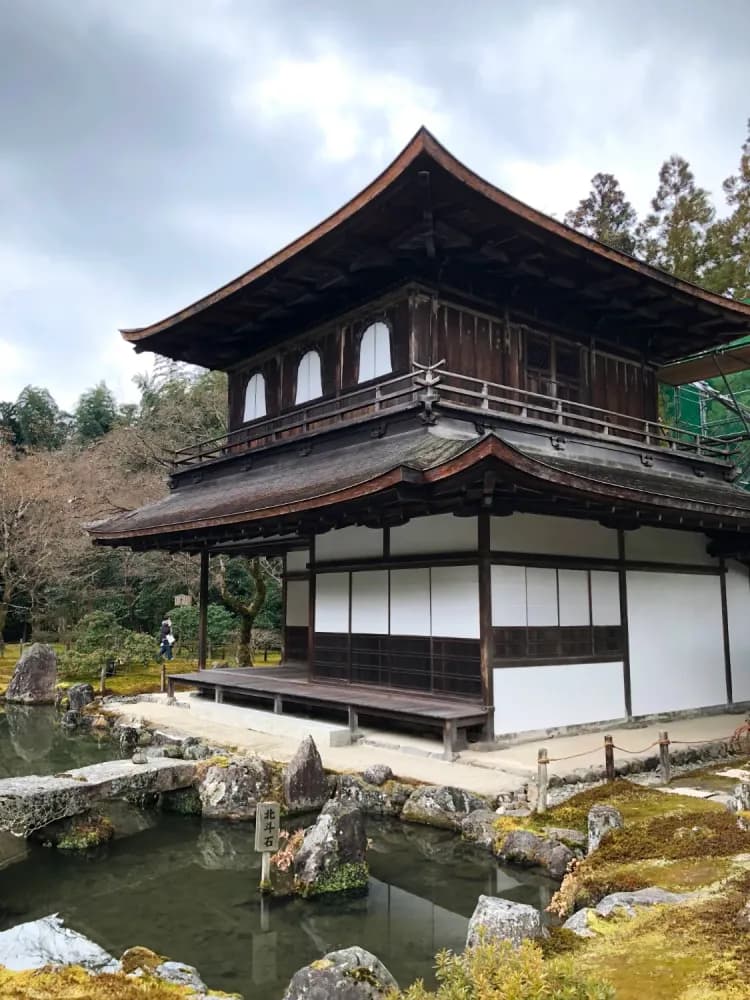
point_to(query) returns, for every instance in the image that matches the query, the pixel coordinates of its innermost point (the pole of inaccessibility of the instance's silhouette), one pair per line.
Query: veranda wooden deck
(290, 685)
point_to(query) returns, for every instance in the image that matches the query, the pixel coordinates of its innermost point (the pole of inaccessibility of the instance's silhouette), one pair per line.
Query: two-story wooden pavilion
(443, 413)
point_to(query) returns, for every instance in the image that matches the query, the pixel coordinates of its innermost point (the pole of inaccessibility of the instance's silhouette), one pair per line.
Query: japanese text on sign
(267, 823)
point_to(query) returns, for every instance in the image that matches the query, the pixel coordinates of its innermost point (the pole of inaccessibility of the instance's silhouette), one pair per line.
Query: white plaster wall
(435, 533)
(455, 601)
(297, 560)
(410, 602)
(297, 602)
(509, 596)
(370, 602)
(667, 545)
(574, 597)
(676, 641)
(568, 695)
(354, 542)
(332, 602)
(605, 598)
(738, 616)
(556, 536)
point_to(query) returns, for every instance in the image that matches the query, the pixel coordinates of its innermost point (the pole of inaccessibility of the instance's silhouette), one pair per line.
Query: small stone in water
(139, 758)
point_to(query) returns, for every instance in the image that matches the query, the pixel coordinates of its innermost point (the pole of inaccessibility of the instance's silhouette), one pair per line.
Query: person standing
(166, 639)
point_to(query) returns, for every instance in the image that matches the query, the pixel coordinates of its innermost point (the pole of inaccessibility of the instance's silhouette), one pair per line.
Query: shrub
(97, 638)
(496, 971)
(222, 624)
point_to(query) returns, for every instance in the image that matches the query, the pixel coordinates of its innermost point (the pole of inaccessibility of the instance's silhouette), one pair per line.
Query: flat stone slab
(691, 793)
(31, 802)
(738, 773)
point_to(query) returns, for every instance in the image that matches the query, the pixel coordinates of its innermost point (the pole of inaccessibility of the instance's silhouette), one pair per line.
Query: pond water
(189, 889)
(33, 742)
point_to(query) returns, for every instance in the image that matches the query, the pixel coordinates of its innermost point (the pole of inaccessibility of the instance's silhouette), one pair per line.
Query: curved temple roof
(427, 215)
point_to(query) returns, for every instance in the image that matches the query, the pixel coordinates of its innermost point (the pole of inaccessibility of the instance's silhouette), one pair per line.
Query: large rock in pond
(385, 800)
(333, 852)
(305, 782)
(480, 828)
(232, 788)
(497, 919)
(35, 677)
(441, 806)
(522, 847)
(79, 696)
(349, 974)
(48, 942)
(602, 820)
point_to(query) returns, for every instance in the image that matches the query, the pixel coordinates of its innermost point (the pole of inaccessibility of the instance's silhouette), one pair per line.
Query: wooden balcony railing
(432, 386)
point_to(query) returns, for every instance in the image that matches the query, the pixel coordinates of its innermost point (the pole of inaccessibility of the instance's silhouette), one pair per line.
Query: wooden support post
(278, 705)
(203, 612)
(218, 695)
(353, 720)
(163, 684)
(485, 626)
(664, 761)
(103, 678)
(170, 687)
(609, 758)
(449, 739)
(542, 762)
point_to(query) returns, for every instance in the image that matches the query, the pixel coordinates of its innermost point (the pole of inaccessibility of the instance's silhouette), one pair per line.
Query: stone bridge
(30, 803)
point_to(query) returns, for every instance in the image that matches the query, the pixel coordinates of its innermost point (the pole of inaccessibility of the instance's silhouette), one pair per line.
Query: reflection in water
(32, 742)
(190, 890)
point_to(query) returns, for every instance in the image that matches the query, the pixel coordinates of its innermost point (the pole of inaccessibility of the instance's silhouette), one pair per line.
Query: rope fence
(665, 763)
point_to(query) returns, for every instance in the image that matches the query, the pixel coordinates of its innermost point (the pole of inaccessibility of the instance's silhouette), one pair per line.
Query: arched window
(255, 398)
(375, 352)
(309, 384)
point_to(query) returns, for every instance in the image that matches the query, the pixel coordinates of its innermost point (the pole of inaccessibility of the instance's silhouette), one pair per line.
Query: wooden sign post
(267, 825)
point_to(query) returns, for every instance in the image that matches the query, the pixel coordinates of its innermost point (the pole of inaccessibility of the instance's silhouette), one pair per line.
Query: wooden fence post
(609, 758)
(542, 762)
(163, 676)
(103, 678)
(664, 761)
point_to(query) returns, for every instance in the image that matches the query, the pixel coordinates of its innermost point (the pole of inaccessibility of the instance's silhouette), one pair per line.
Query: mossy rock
(77, 833)
(183, 801)
(140, 958)
(351, 878)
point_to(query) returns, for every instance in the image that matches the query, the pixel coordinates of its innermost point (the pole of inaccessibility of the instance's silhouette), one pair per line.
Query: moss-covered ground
(74, 983)
(146, 680)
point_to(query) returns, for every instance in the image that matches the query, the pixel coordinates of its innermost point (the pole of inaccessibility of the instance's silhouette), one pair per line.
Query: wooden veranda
(290, 687)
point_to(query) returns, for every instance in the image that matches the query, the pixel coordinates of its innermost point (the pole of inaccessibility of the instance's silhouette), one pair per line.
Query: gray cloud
(151, 151)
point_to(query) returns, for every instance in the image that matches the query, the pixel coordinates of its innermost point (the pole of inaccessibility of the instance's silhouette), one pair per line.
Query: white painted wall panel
(541, 596)
(546, 697)
(605, 598)
(455, 601)
(561, 536)
(738, 615)
(297, 560)
(676, 641)
(370, 602)
(410, 602)
(509, 595)
(574, 597)
(435, 533)
(332, 602)
(297, 602)
(354, 542)
(667, 545)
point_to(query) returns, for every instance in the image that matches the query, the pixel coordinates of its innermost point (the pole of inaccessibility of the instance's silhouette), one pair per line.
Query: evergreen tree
(40, 422)
(606, 214)
(729, 238)
(95, 415)
(674, 235)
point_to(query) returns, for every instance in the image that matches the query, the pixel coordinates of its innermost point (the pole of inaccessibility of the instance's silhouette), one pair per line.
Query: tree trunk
(247, 612)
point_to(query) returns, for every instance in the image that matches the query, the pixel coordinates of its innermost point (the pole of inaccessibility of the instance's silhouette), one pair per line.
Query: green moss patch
(351, 877)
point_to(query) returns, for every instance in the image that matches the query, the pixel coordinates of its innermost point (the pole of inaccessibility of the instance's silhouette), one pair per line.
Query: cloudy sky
(153, 149)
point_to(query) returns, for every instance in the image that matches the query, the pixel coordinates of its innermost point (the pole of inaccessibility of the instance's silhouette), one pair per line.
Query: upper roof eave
(424, 142)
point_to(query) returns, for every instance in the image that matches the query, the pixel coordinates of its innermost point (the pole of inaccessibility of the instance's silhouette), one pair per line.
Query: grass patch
(75, 983)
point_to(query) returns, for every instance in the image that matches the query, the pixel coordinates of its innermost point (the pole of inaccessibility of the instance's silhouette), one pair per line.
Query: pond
(189, 889)
(33, 742)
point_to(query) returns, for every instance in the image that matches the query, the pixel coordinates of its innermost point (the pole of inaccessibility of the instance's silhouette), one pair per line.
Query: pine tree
(606, 214)
(674, 235)
(729, 238)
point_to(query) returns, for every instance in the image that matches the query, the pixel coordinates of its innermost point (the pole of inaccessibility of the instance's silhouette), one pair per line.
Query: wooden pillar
(485, 624)
(311, 614)
(203, 612)
(725, 629)
(622, 572)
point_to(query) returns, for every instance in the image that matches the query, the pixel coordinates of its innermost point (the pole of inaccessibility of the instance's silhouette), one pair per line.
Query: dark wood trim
(623, 581)
(297, 574)
(725, 629)
(386, 544)
(349, 637)
(536, 559)
(283, 606)
(485, 621)
(203, 611)
(421, 561)
(554, 661)
(311, 613)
